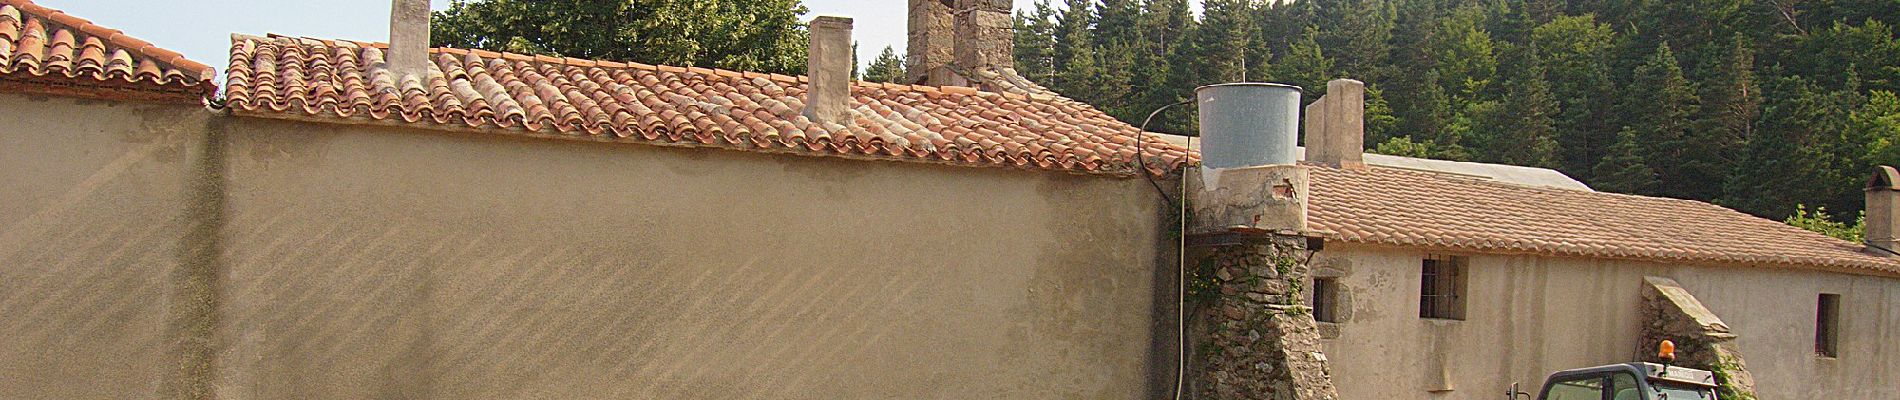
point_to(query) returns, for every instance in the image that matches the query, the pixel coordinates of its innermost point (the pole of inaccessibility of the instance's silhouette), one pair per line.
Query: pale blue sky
(201, 28)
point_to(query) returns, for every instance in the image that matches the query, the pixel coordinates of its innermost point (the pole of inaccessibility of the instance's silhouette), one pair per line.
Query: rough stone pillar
(986, 34)
(1883, 205)
(408, 55)
(1671, 313)
(1336, 126)
(829, 68)
(1249, 260)
(933, 42)
(1258, 341)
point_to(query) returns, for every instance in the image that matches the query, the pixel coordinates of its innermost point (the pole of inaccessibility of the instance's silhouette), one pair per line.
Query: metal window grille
(1442, 288)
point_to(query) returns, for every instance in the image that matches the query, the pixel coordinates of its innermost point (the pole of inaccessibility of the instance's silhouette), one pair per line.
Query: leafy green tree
(887, 67)
(753, 35)
(1819, 221)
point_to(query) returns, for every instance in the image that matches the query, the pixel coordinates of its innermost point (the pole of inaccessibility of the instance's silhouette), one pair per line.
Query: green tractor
(1632, 381)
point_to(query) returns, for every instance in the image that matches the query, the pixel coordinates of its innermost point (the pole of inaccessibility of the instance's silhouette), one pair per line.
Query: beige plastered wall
(1528, 316)
(173, 252)
(95, 234)
(372, 262)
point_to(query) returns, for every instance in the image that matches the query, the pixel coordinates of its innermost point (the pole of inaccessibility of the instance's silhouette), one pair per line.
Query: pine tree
(1078, 68)
(1305, 65)
(1359, 35)
(1660, 102)
(1798, 156)
(1623, 169)
(1035, 43)
(1576, 51)
(1523, 132)
(1730, 103)
(887, 67)
(1221, 44)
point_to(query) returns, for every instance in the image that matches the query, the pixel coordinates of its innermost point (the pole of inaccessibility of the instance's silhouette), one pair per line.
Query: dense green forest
(1759, 105)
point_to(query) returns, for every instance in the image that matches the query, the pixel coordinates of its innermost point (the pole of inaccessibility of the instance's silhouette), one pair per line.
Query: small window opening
(1827, 326)
(1442, 288)
(1325, 299)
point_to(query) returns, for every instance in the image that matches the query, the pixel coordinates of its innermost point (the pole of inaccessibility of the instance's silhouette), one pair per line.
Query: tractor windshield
(1666, 390)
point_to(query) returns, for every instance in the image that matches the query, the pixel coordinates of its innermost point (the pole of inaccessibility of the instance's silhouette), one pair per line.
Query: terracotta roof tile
(1384, 206)
(47, 51)
(484, 91)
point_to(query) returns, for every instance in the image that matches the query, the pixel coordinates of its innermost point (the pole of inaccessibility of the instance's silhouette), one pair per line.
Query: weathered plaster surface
(383, 263)
(1528, 316)
(93, 242)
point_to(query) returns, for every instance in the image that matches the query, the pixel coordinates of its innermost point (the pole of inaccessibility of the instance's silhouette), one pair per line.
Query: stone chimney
(408, 56)
(1883, 205)
(987, 34)
(1336, 126)
(966, 34)
(932, 41)
(829, 68)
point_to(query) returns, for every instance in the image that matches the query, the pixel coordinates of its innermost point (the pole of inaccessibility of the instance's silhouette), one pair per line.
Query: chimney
(987, 34)
(932, 42)
(408, 54)
(829, 68)
(1336, 126)
(1883, 205)
(967, 34)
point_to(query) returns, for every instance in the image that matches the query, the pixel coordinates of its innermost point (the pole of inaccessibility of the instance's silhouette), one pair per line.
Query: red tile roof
(487, 92)
(46, 51)
(482, 91)
(1385, 206)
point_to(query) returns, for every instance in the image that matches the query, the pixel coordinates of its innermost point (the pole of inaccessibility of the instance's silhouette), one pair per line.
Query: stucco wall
(93, 232)
(1528, 316)
(372, 262)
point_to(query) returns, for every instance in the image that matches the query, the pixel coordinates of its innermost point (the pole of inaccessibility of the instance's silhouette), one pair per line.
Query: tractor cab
(1632, 381)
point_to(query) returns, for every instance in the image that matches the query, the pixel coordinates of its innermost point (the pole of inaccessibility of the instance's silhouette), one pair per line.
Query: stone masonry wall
(1671, 313)
(1255, 339)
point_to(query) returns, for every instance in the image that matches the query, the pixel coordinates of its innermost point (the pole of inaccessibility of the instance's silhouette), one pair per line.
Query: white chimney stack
(408, 54)
(1336, 125)
(829, 67)
(1883, 205)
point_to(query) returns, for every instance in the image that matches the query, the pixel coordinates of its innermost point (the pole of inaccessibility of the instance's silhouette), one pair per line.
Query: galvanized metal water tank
(1248, 124)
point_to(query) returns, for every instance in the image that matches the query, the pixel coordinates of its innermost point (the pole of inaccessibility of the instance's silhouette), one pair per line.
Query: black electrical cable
(1141, 151)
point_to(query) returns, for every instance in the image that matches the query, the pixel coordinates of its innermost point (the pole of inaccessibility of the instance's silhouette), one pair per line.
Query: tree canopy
(1757, 105)
(752, 35)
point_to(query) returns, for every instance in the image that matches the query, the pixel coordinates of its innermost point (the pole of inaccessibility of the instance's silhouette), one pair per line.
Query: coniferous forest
(1758, 105)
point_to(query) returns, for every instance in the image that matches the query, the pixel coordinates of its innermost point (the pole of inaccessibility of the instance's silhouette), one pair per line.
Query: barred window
(1442, 288)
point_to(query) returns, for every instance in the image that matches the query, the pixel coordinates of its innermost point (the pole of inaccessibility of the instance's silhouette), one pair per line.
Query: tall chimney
(1336, 125)
(932, 42)
(408, 54)
(987, 34)
(1883, 205)
(829, 68)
